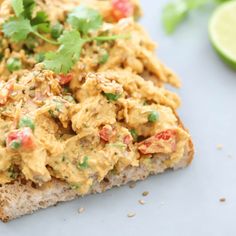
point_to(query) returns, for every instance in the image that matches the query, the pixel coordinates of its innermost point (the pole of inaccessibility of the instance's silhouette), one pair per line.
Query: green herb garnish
(15, 145)
(26, 122)
(104, 57)
(153, 117)
(83, 20)
(84, 164)
(56, 30)
(13, 64)
(134, 134)
(175, 12)
(112, 96)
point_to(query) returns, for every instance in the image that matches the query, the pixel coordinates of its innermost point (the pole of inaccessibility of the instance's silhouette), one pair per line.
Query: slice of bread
(20, 197)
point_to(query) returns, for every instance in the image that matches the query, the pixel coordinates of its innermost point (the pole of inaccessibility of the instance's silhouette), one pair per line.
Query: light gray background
(185, 202)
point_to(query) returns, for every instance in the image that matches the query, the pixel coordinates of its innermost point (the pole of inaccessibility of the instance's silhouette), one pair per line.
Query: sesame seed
(132, 185)
(142, 202)
(222, 199)
(145, 193)
(81, 210)
(131, 214)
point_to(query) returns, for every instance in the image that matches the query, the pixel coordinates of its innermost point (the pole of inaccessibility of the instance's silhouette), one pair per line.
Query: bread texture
(21, 197)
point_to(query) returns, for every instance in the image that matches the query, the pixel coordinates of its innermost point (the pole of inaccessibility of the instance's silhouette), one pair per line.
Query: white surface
(182, 203)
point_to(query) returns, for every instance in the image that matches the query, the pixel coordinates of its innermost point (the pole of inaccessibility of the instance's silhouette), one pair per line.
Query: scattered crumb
(131, 214)
(142, 202)
(145, 193)
(81, 210)
(222, 199)
(132, 185)
(219, 146)
(229, 156)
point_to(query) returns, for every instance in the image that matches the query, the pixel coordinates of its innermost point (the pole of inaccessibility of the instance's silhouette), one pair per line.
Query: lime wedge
(222, 30)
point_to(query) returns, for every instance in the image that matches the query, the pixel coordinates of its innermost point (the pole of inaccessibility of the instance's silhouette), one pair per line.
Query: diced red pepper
(128, 139)
(5, 91)
(20, 139)
(106, 133)
(65, 79)
(163, 142)
(122, 9)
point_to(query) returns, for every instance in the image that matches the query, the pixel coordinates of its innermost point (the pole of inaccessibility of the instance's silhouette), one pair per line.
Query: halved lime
(222, 30)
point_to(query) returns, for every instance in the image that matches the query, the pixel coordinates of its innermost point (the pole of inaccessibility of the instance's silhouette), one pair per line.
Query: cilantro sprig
(176, 11)
(82, 20)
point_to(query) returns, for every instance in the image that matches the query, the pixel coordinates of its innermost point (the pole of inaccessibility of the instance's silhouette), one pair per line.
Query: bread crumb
(132, 185)
(145, 193)
(222, 199)
(142, 202)
(81, 210)
(229, 156)
(131, 214)
(219, 146)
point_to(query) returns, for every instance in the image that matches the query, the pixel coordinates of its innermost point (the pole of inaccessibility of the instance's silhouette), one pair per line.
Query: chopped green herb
(39, 57)
(104, 58)
(153, 117)
(17, 29)
(52, 114)
(75, 186)
(26, 122)
(63, 158)
(176, 11)
(84, 164)
(69, 98)
(112, 96)
(134, 134)
(18, 6)
(56, 30)
(16, 144)
(85, 19)
(13, 64)
(12, 173)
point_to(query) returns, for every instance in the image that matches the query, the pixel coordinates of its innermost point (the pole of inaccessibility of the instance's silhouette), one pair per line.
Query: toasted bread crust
(19, 198)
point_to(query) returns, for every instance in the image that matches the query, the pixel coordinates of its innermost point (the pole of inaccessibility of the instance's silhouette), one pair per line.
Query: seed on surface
(142, 202)
(81, 210)
(145, 193)
(131, 214)
(132, 185)
(222, 199)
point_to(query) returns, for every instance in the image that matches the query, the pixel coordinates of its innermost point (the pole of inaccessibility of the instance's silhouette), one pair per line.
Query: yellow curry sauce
(101, 117)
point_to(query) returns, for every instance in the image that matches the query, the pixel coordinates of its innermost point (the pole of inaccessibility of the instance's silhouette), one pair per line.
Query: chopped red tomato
(20, 139)
(122, 9)
(65, 79)
(106, 133)
(163, 142)
(128, 139)
(5, 91)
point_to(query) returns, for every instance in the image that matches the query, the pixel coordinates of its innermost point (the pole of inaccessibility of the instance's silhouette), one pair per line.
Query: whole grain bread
(21, 197)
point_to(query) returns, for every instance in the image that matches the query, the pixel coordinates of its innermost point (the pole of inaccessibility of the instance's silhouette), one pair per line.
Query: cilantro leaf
(175, 12)
(41, 22)
(17, 29)
(58, 62)
(85, 19)
(68, 53)
(29, 6)
(18, 6)
(71, 43)
(41, 17)
(84, 164)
